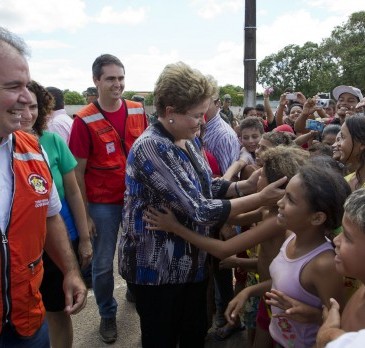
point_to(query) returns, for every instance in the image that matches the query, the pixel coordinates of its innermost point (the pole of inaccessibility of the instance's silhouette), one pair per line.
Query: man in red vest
(101, 137)
(29, 219)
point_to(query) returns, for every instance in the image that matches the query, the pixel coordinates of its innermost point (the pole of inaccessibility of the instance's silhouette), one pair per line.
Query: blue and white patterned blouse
(159, 173)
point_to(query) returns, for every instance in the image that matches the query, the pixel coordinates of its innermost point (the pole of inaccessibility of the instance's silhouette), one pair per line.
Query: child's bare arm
(323, 267)
(248, 264)
(246, 219)
(234, 169)
(221, 249)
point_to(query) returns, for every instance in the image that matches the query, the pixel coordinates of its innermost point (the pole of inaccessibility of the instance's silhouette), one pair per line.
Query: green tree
(308, 69)
(347, 47)
(313, 68)
(236, 93)
(148, 100)
(73, 98)
(129, 94)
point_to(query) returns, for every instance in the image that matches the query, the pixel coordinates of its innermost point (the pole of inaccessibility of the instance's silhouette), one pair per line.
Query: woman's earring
(171, 120)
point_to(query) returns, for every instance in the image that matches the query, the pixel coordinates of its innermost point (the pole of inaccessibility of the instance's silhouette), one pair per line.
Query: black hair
(58, 97)
(331, 129)
(279, 138)
(45, 105)
(252, 122)
(293, 105)
(325, 161)
(356, 127)
(320, 149)
(101, 61)
(260, 107)
(247, 109)
(326, 191)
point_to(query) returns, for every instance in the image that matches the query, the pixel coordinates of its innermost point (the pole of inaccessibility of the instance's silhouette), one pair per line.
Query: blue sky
(65, 36)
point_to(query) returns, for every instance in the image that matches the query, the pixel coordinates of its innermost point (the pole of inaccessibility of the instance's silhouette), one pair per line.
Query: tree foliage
(236, 93)
(347, 47)
(73, 98)
(313, 68)
(148, 100)
(129, 94)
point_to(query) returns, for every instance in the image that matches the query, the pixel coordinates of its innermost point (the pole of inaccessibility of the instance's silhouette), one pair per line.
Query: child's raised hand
(157, 220)
(301, 98)
(331, 327)
(293, 309)
(331, 316)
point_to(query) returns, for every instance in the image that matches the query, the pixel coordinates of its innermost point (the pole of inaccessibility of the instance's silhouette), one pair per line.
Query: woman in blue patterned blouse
(166, 274)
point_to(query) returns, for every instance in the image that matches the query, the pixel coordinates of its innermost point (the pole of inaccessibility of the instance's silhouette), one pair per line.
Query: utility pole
(249, 61)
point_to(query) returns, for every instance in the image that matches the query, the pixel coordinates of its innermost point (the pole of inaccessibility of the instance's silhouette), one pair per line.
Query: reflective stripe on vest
(93, 118)
(135, 111)
(98, 117)
(28, 156)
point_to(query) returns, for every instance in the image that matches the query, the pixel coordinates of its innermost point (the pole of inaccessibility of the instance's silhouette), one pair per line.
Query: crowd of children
(306, 261)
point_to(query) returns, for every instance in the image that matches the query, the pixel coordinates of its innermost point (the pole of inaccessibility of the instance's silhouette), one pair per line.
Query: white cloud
(47, 44)
(128, 16)
(341, 8)
(24, 16)
(225, 65)
(290, 29)
(209, 9)
(61, 73)
(142, 70)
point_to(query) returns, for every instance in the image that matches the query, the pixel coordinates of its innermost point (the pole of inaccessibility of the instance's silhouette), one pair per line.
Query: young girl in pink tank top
(304, 268)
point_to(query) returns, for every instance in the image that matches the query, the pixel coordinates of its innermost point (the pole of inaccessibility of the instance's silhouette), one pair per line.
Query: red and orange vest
(23, 241)
(105, 168)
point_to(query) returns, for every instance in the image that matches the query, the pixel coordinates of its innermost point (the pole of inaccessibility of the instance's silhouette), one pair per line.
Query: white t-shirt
(349, 340)
(61, 124)
(6, 184)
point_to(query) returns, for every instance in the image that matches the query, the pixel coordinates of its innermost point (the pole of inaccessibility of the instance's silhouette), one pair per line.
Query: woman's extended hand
(272, 193)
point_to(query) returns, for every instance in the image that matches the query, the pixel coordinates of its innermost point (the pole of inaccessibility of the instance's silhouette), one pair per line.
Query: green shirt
(61, 160)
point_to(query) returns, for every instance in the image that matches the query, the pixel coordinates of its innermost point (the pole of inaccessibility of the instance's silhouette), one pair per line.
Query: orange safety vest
(23, 240)
(105, 168)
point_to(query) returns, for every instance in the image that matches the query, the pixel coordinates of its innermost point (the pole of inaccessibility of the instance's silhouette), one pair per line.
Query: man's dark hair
(58, 97)
(104, 59)
(260, 107)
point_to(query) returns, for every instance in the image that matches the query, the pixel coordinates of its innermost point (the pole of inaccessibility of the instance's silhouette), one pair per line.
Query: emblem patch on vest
(110, 147)
(38, 183)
